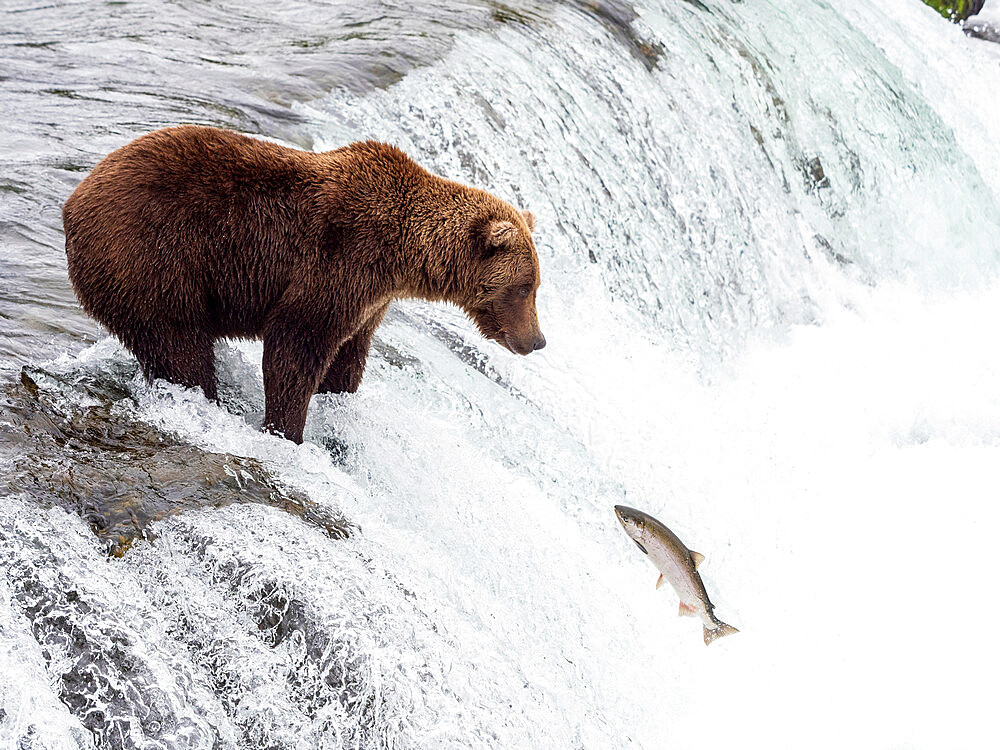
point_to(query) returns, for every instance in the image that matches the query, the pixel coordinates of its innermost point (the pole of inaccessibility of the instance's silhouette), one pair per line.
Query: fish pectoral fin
(687, 611)
(697, 557)
(659, 582)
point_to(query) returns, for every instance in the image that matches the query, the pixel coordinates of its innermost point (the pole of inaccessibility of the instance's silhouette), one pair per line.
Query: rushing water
(770, 237)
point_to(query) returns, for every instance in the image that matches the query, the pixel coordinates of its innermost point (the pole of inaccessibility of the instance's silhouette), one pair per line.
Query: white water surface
(820, 419)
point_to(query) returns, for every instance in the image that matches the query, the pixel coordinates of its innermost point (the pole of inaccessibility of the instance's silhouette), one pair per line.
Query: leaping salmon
(677, 565)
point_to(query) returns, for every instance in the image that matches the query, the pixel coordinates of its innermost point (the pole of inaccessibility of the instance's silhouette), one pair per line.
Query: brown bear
(191, 234)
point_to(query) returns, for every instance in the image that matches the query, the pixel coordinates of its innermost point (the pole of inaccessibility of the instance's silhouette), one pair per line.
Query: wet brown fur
(191, 234)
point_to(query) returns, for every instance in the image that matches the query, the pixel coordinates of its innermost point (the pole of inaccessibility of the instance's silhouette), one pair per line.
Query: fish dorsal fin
(697, 557)
(687, 610)
(659, 581)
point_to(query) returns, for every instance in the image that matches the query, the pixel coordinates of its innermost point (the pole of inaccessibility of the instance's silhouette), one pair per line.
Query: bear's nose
(539, 343)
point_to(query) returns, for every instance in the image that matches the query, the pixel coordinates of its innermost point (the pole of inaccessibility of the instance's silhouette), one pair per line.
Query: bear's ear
(500, 234)
(529, 219)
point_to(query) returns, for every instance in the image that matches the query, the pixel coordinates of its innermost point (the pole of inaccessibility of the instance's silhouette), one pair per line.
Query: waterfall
(769, 236)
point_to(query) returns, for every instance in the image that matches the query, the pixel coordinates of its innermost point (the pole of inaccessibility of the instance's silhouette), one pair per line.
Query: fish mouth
(626, 514)
(632, 525)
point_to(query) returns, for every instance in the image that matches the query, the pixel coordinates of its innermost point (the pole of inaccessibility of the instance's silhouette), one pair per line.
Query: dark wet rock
(326, 662)
(81, 453)
(619, 18)
(815, 174)
(114, 694)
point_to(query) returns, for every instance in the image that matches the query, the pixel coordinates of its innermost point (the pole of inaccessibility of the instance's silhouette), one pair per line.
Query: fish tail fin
(718, 631)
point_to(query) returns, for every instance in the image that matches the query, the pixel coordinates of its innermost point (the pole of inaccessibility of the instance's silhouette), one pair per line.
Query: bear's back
(193, 223)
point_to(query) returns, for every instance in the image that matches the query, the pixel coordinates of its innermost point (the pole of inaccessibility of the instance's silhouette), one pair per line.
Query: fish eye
(640, 547)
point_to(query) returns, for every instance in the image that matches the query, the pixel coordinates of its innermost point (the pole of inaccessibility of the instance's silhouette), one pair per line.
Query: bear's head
(507, 278)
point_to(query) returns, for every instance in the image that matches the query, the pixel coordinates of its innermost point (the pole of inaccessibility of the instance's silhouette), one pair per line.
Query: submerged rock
(79, 452)
(985, 26)
(617, 16)
(814, 173)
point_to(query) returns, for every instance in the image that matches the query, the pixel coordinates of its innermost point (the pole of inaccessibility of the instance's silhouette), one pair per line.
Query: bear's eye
(524, 291)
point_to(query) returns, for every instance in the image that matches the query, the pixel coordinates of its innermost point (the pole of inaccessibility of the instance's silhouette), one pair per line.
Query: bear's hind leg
(181, 355)
(344, 373)
(299, 340)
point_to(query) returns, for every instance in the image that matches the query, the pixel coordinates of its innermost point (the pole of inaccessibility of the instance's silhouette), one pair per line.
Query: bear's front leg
(348, 365)
(298, 348)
